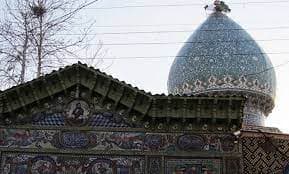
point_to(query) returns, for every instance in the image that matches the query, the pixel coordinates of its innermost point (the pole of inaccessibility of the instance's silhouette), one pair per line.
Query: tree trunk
(39, 47)
(24, 52)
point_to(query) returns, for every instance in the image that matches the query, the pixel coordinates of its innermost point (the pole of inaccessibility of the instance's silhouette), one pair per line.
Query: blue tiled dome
(221, 56)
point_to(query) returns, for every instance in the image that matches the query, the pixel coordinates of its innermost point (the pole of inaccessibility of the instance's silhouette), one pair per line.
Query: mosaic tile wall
(57, 164)
(141, 153)
(117, 141)
(263, 155)
(55, 151)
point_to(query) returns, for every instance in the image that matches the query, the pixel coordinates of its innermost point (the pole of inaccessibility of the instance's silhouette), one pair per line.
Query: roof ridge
(78, 64)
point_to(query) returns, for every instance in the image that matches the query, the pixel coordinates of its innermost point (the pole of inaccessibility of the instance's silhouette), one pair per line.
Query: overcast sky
(124, 26)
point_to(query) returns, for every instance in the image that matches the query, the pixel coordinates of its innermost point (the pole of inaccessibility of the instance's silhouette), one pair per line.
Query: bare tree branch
(31, 41)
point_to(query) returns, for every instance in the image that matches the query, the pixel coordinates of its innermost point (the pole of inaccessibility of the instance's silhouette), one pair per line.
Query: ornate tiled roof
(221, 56)
(36, 102)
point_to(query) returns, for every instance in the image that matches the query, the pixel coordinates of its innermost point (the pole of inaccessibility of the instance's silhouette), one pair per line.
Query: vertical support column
(224, 169)
(163, 165)
(146, 165)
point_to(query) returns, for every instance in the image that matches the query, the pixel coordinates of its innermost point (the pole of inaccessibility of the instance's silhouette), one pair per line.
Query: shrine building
(79, 120)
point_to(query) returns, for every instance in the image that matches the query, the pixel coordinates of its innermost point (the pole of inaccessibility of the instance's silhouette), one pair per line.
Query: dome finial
(218, 6)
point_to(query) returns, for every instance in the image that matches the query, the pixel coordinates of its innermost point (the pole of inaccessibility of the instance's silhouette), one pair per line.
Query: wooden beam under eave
(7, 102)
(62, 84)
(133, 103)
(95, 79)
(1, 103)
(169, 107)
(142, 103)
(230, 113)
(185, 110)
(87, 77)
(192, 108)
(46, 87)
(77, 74)
(128, 97)
(69, 76)
(214, 113)
(198, 113)
(152, 112)
(147, 109)
(21, 101)
(116, 102)
(241, 116)
(116, 91)
(13, 100)
(104, 95)
(34, 95)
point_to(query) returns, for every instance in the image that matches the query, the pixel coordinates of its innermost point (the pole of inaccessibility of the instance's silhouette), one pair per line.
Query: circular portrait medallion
(77, 113)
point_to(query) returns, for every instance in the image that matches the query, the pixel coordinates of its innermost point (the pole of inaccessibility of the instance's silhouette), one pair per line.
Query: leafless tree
(35, 35)
(14, 37)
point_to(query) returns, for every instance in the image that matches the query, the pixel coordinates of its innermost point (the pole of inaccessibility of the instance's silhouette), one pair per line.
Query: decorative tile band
(116, 141)
(227, 82)
(51, 164)
(254, 110)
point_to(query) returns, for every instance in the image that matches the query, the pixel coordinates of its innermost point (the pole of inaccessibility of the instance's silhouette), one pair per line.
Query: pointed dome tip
(218, 7)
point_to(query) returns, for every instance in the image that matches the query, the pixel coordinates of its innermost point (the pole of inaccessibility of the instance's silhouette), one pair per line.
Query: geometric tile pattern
(96, 120)
(101, 121)
(51, 120)
(264, 155)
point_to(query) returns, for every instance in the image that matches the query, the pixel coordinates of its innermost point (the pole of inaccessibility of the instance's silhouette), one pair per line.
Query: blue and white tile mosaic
(222, 56)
